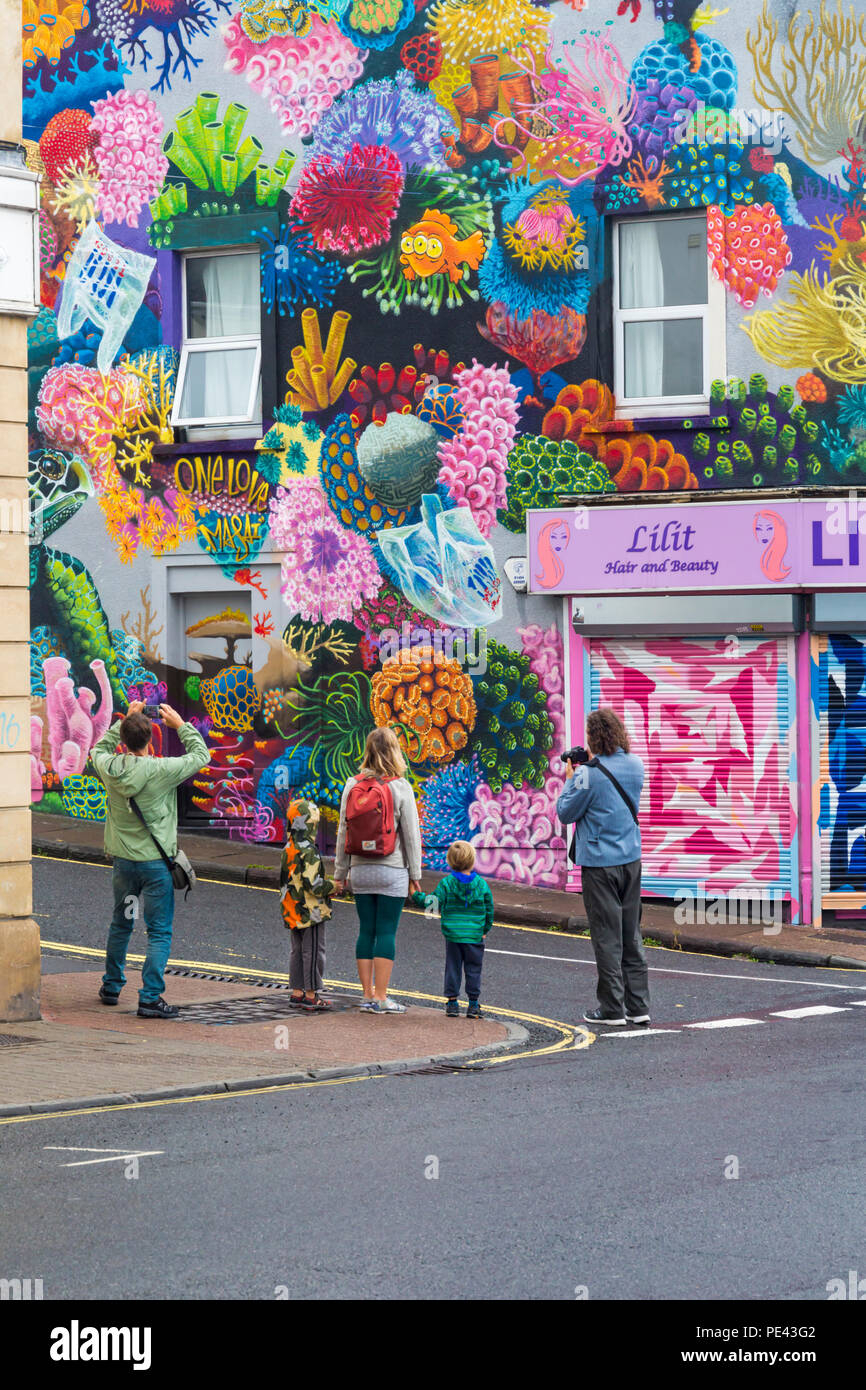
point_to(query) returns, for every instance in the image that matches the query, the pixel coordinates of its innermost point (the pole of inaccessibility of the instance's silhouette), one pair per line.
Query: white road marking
(861, 1003)
(110, 1155)
(808, 1013)
(725, 1023)
(666, 970)
(637, 1032)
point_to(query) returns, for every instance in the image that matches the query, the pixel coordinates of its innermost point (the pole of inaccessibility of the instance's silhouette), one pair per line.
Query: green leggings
(379, 918)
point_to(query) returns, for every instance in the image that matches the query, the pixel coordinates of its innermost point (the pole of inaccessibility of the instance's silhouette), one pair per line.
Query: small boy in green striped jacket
(465, 903)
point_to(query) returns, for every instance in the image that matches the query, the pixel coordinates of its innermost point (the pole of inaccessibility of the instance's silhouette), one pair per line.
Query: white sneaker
(388, 1006)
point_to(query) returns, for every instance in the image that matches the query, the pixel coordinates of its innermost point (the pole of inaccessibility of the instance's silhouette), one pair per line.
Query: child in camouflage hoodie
(305, 899)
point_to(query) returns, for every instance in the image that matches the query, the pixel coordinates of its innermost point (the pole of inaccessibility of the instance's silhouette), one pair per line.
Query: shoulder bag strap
(169, 863)
(594, 762)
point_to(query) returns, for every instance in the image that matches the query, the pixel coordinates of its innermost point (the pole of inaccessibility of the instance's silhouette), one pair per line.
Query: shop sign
(811, 544)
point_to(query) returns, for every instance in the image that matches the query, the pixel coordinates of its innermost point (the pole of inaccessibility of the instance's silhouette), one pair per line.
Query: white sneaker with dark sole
(596, 1016)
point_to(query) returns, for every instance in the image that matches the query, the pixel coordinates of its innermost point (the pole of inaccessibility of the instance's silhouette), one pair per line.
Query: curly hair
(605, 732)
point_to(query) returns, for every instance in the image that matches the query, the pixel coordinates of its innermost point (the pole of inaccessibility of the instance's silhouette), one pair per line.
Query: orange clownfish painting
(432, 245)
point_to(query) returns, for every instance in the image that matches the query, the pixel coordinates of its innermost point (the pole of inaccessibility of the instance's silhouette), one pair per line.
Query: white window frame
(711, 315)
(192, 346)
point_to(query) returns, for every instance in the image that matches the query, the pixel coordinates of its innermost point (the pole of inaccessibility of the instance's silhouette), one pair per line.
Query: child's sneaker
(474, 1010)
(452, 1009)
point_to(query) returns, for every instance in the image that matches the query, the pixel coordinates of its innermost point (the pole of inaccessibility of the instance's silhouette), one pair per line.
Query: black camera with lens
(152, 712)
(575, 756)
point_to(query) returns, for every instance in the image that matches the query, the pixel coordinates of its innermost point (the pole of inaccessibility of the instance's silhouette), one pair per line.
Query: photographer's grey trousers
(611, 896)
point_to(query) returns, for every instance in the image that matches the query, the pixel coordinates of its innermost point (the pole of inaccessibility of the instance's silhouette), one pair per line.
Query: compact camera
(152, 712)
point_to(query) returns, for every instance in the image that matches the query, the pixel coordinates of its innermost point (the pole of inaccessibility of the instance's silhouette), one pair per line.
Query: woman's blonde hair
(383, 756)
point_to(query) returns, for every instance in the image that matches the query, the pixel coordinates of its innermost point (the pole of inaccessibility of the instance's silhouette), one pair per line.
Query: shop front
(726, 636)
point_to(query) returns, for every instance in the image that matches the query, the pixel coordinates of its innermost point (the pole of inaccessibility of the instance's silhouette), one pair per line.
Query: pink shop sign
(815, 544)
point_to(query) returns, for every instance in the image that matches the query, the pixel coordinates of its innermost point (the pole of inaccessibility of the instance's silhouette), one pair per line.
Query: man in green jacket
(140, 875)
(465, 903)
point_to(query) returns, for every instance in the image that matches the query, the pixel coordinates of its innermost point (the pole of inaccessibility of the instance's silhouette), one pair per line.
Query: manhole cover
(17, 1040)
(226, 1011)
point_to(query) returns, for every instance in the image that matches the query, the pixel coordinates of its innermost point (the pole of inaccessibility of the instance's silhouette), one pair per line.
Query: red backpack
(370, 828)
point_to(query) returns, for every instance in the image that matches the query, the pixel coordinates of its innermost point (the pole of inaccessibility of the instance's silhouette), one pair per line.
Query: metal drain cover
(227, 1011)
(17, 1040)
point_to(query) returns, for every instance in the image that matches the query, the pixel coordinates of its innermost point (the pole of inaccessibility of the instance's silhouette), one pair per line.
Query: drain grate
(17, 1040)
(228, 1011)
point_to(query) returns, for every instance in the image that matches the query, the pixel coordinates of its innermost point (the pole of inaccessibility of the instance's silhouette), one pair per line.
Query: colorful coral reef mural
(427, 197)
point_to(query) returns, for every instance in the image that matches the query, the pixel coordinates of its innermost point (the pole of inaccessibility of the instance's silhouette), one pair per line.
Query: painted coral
(392, 112)
(517, 836)
(465, 29)
(81, 409)
(749, 250)
(349, 206)
(299, 78)
(50, 26)
(128, 155)
(327, 571)
(474, 462)
(67, 139)
(427, 698)
(444, 809)
(73, 724)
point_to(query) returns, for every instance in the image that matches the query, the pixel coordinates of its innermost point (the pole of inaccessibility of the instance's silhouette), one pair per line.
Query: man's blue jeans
(141, 888)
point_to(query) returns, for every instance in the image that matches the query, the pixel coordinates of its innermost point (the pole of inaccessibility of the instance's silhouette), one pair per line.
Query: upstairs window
(219, 377)
(669, 316)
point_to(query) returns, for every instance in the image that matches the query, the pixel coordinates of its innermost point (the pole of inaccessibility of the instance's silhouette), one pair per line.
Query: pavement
(233, 861)
(229, 1037)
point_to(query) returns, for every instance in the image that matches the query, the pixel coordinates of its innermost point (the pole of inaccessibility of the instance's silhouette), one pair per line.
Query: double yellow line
(570, 1036)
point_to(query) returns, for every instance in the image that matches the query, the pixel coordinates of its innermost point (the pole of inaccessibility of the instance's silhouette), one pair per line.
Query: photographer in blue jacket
(600, 799)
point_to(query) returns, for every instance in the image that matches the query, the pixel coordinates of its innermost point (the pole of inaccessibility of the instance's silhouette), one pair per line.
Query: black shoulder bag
(182, 872)
(594, 762)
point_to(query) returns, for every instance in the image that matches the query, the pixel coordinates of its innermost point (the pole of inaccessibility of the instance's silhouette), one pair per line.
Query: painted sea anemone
(391, 112)
(474, 462)
(294, 273)
(349, 207)
(443, 810)
(128, 155)
(327, 570)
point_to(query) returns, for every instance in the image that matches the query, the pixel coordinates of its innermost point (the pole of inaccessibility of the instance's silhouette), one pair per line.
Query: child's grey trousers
(307, 957)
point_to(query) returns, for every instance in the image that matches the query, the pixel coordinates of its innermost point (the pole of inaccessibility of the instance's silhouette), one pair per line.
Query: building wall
(19, 935)
(591, 113)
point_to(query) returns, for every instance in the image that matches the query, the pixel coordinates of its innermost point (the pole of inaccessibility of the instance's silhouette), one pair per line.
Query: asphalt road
(601, 1170)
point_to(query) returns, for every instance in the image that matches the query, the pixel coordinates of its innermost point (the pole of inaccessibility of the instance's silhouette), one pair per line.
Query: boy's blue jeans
(141, 888)
(463, 957)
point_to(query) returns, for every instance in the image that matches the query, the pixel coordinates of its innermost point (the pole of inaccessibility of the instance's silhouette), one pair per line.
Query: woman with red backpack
(379, 854)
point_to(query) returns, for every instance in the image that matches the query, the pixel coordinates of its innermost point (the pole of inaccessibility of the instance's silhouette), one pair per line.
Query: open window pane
(218, 384)
(222, 296)
(664, 358)
(662, 263)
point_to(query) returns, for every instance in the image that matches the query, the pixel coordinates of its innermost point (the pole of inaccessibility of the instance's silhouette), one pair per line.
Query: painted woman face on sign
(771, 534)
(552, 543)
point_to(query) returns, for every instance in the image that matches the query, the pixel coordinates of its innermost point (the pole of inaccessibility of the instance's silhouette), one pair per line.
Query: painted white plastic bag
(445, 566)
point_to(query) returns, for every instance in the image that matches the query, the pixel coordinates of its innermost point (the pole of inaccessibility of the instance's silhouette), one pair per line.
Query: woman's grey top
(391, 873)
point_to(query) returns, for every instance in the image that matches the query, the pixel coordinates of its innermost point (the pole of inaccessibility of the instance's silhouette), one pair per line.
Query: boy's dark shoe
(107, 998)
(157, 1008)
(474, 1010)
(597, 1016)
(452, 1009)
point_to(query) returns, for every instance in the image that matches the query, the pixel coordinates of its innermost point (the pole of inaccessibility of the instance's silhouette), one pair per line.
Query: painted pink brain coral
(474, 462)
(749, 250)
(299, 78)
(73, 727)
(327, 571)
(128, 156)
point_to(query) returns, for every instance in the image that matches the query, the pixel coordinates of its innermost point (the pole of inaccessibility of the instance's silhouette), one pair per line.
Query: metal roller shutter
(841, 825)
(713, 720)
